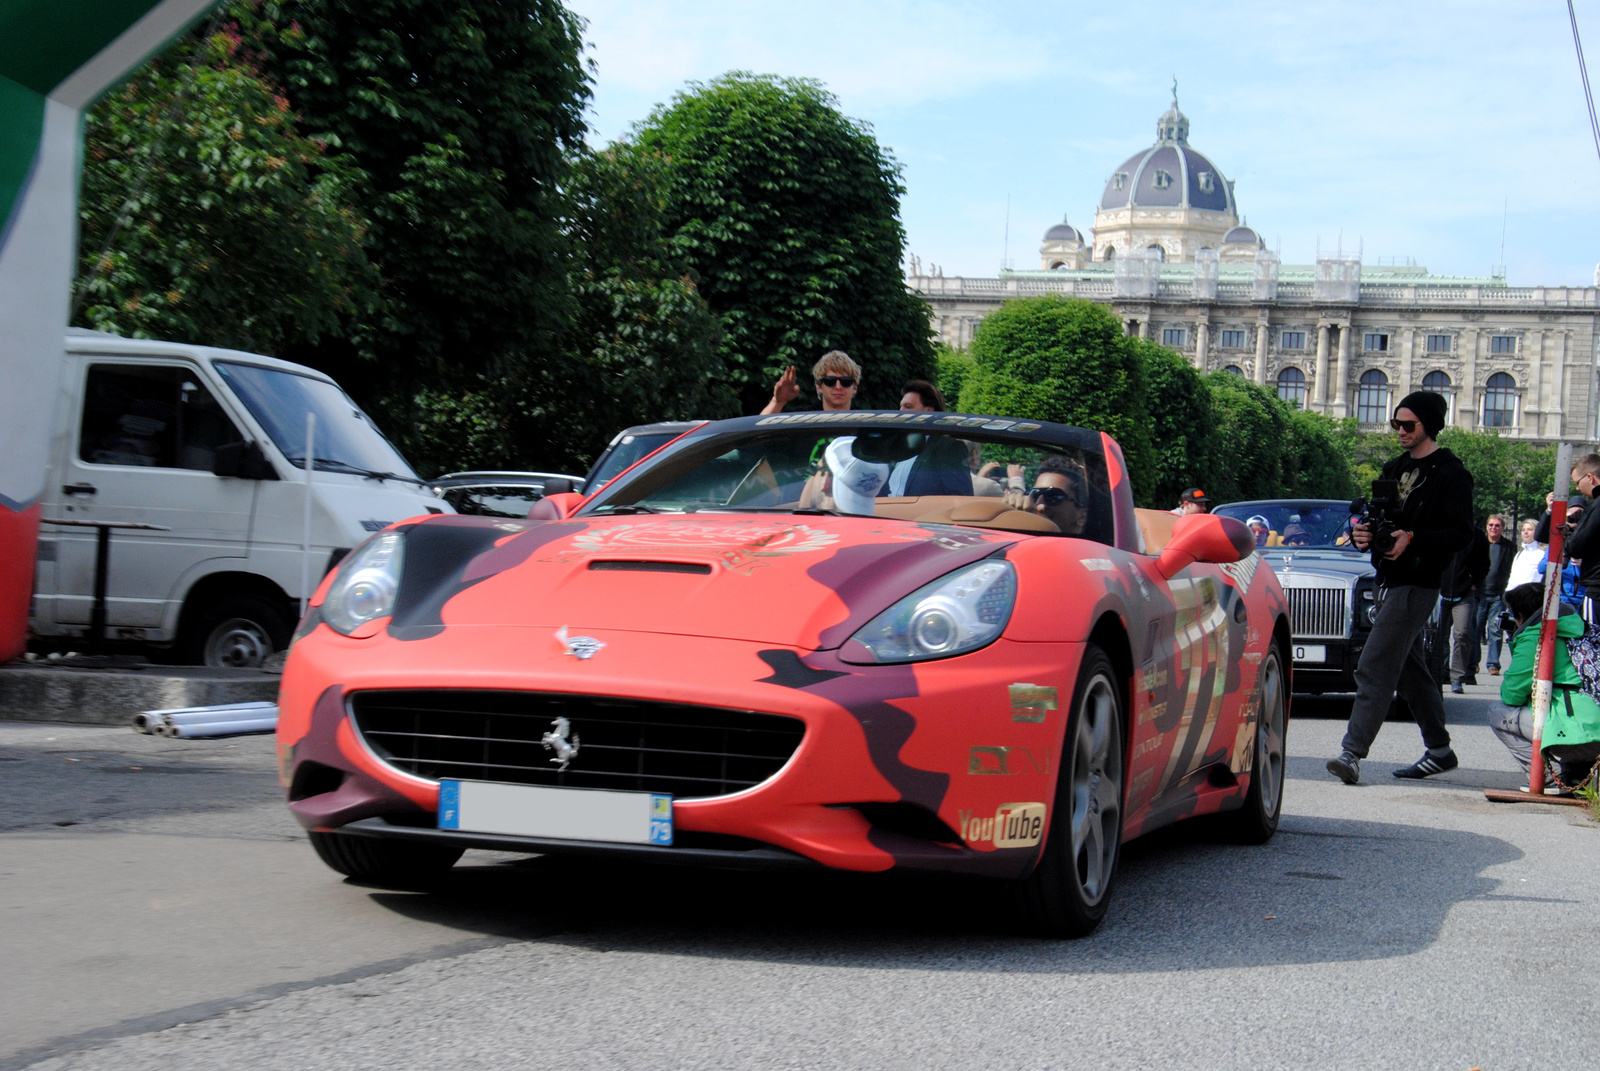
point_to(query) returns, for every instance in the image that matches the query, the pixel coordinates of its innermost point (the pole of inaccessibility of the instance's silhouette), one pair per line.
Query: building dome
(1063, 232)
(1169, 174)
(1243, 235)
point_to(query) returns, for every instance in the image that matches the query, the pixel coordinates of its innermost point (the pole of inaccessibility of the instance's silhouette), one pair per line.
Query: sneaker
(1346, 768)
(1494, 671)
(1428, 765)
(1456, 689)
(1470, 678)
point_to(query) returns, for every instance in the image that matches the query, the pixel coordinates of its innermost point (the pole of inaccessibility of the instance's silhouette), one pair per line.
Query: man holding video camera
(1419, 516)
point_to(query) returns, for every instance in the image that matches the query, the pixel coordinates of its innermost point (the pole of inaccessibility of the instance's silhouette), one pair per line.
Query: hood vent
(632, 566)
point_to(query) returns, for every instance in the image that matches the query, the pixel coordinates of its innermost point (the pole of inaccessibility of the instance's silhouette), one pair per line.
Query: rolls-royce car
(1329, 585)
(800, 640)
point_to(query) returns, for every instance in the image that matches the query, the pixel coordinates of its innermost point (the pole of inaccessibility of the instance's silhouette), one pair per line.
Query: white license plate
(1310, 652)
(556, 813)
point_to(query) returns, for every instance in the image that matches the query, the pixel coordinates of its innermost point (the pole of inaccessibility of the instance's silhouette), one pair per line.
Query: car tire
(1069, 890)
(1257, 820)
(404, 864)
(237, 632)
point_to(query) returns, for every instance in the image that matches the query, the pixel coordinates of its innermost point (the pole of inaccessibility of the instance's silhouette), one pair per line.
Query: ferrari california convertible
(800, 640)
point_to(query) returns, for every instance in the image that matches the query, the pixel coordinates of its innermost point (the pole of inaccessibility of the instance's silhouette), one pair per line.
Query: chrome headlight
(953, 615)
(367, 584)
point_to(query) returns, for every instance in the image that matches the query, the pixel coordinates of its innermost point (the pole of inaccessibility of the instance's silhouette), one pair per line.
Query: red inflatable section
(19, 540)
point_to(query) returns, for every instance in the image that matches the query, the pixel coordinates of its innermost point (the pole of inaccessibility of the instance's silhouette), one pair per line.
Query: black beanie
(1430, 409)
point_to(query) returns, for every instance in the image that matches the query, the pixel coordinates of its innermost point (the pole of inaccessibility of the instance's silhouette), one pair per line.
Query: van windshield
(345, 439)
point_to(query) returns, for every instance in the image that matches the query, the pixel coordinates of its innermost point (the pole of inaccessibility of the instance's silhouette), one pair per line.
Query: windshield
(346, 440)
(919, 475)
(1312, 523)
(628, 449)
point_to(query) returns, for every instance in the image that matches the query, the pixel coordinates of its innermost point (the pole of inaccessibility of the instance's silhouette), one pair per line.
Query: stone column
(1408, 343)
(1320, 393)
(1531, 421)
(1144, 328)
(1341, 383)
(1261, 347)
(1202, 342)
(1467, 389)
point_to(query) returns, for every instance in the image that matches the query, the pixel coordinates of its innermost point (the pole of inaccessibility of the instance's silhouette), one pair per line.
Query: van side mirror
(1203, 537)
(242, 460)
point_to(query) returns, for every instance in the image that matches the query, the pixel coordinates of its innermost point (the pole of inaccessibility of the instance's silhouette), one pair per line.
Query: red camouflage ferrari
(807, 639)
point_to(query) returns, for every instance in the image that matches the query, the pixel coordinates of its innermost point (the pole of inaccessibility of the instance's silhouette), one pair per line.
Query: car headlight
(1368, 613)
(367, 583)
(953, 615)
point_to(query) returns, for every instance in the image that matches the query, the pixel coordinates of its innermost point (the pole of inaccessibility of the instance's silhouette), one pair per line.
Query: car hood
(807, 582)
(1339, 564)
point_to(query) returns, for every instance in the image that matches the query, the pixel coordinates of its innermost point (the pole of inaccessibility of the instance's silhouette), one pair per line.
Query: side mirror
(242, 460)
(555, 507)
(556, 485)
(1202, 537)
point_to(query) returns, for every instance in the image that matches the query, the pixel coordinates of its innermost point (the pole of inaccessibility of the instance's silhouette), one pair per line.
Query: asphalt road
(160, 910)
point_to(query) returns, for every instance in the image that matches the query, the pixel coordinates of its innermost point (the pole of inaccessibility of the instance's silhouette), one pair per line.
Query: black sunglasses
(1407, 426)
(837, 381)
(1050, 496)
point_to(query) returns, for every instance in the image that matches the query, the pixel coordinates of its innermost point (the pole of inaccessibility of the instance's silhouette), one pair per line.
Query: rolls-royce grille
(1316, 613)
(629, 744)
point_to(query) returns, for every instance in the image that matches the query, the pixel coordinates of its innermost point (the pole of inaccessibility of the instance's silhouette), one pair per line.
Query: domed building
(1177, 264)
(1169, 201)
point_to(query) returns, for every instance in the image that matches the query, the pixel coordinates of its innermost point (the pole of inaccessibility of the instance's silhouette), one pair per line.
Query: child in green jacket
(1572, 728)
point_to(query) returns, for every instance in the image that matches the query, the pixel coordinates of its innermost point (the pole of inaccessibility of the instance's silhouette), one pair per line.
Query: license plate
(1310, 652)
(556, 813)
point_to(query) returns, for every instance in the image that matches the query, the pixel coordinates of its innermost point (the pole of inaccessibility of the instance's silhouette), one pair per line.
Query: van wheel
(237, 632)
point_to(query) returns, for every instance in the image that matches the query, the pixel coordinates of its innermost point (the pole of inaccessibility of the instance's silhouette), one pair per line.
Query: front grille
(629, 744)
(1316, 613)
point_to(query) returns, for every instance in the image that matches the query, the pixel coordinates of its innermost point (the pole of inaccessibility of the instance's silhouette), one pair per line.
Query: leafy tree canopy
(208, 217)
(788, 214)
(1183, 424)
(1066, 360)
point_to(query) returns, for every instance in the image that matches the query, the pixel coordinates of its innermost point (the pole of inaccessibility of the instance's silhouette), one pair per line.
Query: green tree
(1253, 425)
(789, 215)
(951, 369)
(208, 217)
(1182, 424)
(1314, 464)
(1066, 360)
(459, 118)
(1508, 476)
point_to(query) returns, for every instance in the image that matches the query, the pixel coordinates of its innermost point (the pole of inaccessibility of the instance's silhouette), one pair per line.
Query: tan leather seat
(990, 513)
(1156, 525)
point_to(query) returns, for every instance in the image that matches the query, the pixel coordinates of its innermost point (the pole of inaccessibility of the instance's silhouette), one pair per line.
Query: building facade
(1170, 255)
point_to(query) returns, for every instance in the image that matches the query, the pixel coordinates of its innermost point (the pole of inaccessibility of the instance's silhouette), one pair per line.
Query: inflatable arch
(56, 58)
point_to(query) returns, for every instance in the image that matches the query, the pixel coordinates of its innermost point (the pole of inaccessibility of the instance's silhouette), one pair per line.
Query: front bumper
(900, 766)
(1334, 673)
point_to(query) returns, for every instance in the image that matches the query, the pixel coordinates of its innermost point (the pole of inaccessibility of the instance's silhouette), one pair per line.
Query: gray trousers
(1393, 661)
(1514, 727)
(1463, 644)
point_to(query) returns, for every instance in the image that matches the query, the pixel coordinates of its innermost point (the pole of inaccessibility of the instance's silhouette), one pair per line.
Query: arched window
(1372, 398)
(1500, 401)
(1235, 369)
(1438, 382)
(1111, 252)
(1292, 387)
(1157, 251)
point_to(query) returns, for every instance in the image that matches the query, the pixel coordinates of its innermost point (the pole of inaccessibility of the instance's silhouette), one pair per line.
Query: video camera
(1381, 514)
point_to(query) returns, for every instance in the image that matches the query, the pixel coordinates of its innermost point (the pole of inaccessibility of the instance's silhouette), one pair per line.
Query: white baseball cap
(855, 482)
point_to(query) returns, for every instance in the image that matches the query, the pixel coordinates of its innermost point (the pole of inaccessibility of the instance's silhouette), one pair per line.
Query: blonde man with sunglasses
(837, 376)
(1435, 522)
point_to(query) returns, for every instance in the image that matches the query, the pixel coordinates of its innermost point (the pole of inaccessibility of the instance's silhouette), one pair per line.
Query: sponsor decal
(1242, 572)
(1014, 825)
(1141, 783)
(1031, 702)
(938, 420)
(1008, 760)
(741, 547)
(582, 648)
(1149, 680)
(1153, 712)
(1144, 747)
(1251, 658)
(1098, 565)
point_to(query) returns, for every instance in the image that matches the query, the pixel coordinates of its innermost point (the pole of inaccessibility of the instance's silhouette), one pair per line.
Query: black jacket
(1468, 568)
(1436, 508)
(1494, 584)
(1584, 544)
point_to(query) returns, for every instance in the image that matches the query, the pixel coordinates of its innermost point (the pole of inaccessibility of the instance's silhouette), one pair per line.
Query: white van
(208, 444)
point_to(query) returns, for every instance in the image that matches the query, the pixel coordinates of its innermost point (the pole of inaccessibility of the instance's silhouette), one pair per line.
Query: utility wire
(1588, 94)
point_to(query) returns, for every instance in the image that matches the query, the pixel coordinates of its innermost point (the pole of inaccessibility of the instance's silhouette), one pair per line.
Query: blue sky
(1405, 126)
